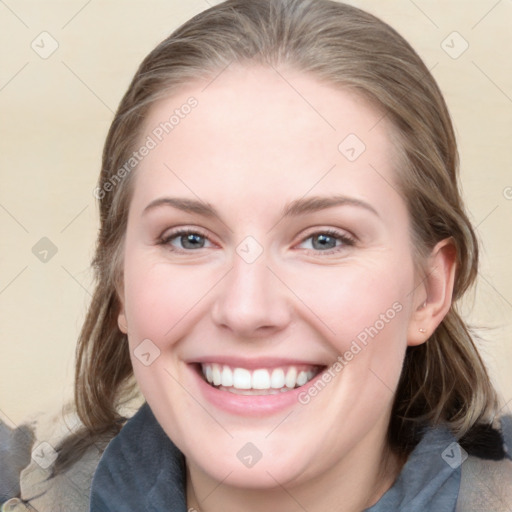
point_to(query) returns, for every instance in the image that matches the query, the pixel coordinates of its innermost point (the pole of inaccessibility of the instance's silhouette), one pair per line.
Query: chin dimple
(258, 381)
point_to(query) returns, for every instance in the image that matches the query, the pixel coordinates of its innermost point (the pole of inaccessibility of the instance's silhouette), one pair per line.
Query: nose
(251, 302)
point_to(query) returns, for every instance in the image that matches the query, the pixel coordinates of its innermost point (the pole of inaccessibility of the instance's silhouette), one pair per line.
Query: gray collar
(142, 469)
(430, 479)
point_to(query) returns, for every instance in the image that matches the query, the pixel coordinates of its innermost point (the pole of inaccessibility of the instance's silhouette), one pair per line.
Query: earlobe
(121, 317)
(121, 321)
(435, 294)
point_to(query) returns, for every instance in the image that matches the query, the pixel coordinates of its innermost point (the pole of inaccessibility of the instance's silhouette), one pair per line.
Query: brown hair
(443, 380)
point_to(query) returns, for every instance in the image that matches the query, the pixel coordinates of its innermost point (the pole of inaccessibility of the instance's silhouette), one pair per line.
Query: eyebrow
(186, 205)
(295, 208)
(316, 203)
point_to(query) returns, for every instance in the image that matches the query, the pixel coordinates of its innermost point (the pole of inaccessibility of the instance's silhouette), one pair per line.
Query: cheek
(373, 334)
(161, 299)
(354, 300)
(162, 303)
(363, 315)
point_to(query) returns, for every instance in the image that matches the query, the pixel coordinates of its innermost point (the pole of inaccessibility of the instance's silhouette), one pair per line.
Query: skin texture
(251, 146)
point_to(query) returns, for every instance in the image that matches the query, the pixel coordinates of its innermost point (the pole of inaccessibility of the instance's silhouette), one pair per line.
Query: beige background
(55, 113)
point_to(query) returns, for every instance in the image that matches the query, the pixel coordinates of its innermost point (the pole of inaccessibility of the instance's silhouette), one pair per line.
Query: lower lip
(250, 405)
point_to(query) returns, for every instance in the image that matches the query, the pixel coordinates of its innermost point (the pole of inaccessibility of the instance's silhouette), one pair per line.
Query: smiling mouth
(261, 381)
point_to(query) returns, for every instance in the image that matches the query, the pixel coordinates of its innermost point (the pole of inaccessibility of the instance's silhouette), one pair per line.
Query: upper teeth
(262, 378)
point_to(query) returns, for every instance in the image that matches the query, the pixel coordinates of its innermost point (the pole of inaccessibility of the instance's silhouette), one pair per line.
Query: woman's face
(268, 251)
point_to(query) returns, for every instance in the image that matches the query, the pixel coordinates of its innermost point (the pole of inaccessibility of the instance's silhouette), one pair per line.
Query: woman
(282, 248)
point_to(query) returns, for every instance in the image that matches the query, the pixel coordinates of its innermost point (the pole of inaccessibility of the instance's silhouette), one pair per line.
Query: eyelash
(346, 240)
(166, 240)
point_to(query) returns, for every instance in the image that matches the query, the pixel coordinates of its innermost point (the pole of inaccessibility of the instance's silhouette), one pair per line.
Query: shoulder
(486, 483)
(141, 469)
(33, 487)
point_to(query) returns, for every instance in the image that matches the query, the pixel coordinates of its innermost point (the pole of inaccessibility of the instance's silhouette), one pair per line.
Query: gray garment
(486, 483)
(142, 469)
(430, 479)
(15, 446)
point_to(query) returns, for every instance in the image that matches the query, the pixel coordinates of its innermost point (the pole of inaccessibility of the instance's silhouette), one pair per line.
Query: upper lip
(255, 362)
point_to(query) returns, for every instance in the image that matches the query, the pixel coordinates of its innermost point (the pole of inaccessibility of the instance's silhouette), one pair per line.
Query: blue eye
(186, 240)
(322, 241)
(326, 241)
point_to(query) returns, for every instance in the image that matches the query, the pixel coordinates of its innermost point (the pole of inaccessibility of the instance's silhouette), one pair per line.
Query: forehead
(258, 130)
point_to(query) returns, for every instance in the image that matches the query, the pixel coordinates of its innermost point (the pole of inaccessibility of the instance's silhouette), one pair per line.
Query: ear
(121, 317)
(121, 321)
(433, 298)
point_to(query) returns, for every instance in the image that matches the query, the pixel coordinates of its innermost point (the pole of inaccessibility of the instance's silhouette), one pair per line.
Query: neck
(355, 483)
